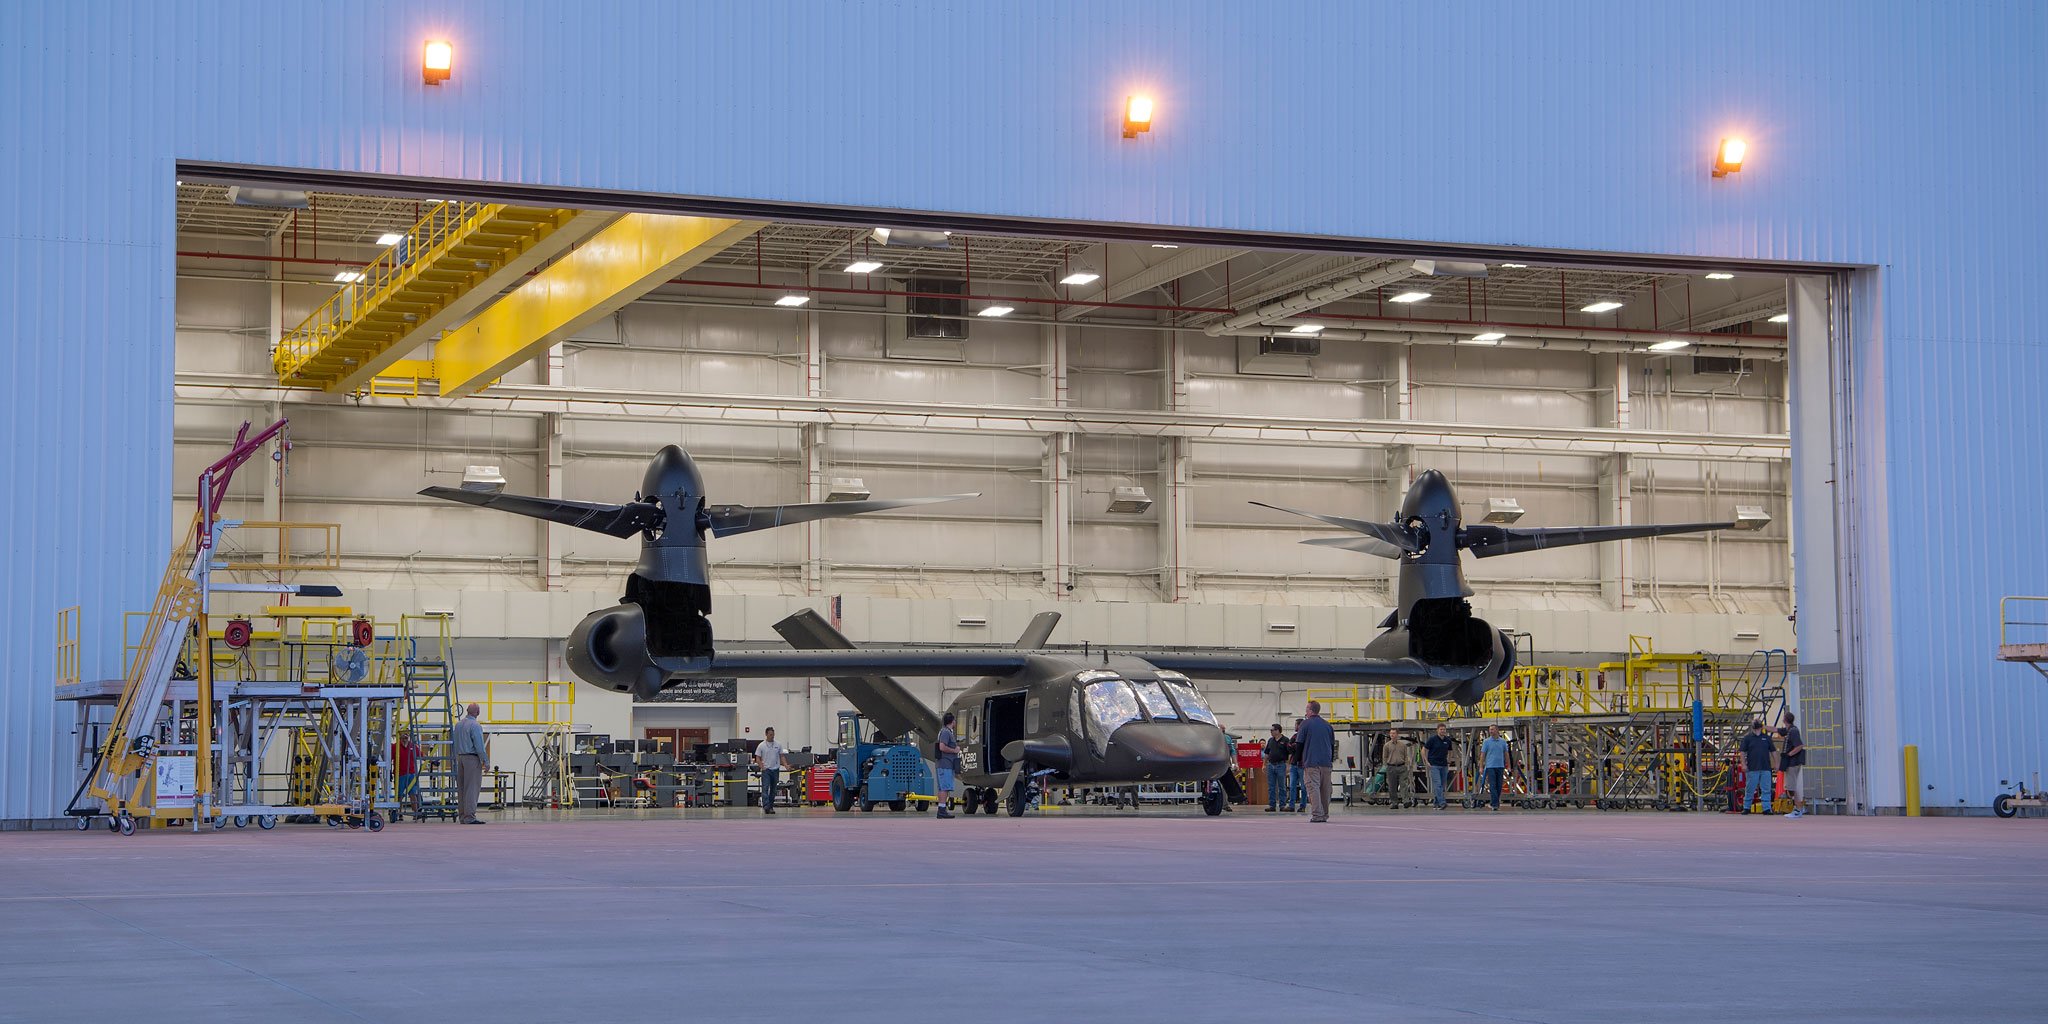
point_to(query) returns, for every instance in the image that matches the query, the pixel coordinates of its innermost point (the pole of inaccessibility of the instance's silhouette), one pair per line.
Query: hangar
(1071, 291)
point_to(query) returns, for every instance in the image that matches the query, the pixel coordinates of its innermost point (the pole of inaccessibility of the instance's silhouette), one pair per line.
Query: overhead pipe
(1321, 295)
(1635, 343)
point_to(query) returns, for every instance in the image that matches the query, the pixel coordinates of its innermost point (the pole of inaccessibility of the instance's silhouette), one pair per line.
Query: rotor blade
(1388, 532)
(1487, 541)
(727, 520)
(616, 520)
(1038, 632)
(1366, 545)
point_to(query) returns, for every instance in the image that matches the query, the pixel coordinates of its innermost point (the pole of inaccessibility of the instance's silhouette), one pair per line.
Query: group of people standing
(1298, 766)
(1765, 756)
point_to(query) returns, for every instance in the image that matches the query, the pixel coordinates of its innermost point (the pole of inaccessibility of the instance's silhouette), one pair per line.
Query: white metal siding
(1882, 134)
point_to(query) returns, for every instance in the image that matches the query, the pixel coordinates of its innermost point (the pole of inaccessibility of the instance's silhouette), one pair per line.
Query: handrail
(524, 702)
(67, 646)
(2006, 622)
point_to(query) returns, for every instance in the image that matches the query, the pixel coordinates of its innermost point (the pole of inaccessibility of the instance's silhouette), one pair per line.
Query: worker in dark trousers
(768, 754)
(1756, 766)
(1318, 756)
(1297, 796)
(469, 765)
(1277, 778)
(948, 749)
(1493, 755)
(1437, 749)
(1790, 762)
(1397, 759)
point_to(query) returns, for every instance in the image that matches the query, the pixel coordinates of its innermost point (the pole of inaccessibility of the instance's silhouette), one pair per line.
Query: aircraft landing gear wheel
(1212, 802)
(972, 802)
(2002, 806)
(126, 825)
(84, 823)
(841, 799)
(1020, 799)
(376, 821)
(267, 822)
(241, 821)
(989, 799)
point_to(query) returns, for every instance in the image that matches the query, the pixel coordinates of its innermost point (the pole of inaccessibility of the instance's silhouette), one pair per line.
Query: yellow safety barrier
(67, 646)
(281, 547)
(521, 702)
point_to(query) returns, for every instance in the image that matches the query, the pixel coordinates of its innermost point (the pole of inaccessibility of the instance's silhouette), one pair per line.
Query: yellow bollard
(1912, 781)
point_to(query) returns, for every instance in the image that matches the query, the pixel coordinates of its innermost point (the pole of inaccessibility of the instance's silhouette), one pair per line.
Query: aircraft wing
(1298, 668)
(1486, 541)
(865, 661)
(727, 520)
(616, 520)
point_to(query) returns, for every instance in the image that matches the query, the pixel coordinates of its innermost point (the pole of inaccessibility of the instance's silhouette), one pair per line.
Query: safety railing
(1371, 704)
(276, 546)
(422, 243)
(67, 646)
(1543, 690)
(521, 702)
(2022, 627)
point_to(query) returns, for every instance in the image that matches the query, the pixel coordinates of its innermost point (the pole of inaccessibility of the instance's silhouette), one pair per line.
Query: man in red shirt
(405, 754)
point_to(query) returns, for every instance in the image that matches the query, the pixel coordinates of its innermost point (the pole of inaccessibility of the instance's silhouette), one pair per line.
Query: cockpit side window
(1192, 705)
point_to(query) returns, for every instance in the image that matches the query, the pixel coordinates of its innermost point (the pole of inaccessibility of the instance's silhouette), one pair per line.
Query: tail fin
(893, 709)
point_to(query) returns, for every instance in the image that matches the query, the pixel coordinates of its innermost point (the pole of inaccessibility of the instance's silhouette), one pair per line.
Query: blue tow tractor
(871, 773)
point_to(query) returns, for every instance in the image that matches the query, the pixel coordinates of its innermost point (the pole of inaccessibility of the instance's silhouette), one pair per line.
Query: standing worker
(1277, 781)
(768, 755)
(1794, 759)
(1494, 753)
(1398, 758)
(1297, 798)
(406, 755)
(948, 748)
(469, 765)
(1437, 749)
(1318, 753)
(1756, 766)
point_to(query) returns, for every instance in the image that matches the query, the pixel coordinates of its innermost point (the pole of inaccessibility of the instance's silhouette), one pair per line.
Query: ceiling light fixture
(1137, 115)
(1502, 510)
(1514, 266)
(1782, 318)
(1163, 245)
(1607, 306)
(390, 238)
(792, 300)
(863, 266)
(1728, 157)
(1081, 276)
(349, 276)
(1489, 338)
(437, 62)
(1670, 345)
(1409, 297)
(1720, 276)
(1306, 329)
(997, 310)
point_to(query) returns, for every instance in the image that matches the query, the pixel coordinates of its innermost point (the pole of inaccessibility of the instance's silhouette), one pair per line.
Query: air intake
(935, 309)
(1291, 345)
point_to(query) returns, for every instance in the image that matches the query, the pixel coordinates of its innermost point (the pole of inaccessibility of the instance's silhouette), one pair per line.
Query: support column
(811, 445)
(1176, 471)
(552, 428)
(1617, 488)
(1056, 533)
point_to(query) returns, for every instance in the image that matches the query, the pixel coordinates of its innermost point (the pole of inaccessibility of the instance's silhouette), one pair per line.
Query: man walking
(1276, 770)
(1297, 798)
(949, 763)
(469, 765)
(1793, 760)
(1398, 758)
(1756, 766)
(1493, 752)
(1437, 749)
(768, 754)
(1318, 753)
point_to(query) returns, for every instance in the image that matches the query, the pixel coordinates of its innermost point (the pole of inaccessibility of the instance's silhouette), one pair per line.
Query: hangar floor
(1415, 916)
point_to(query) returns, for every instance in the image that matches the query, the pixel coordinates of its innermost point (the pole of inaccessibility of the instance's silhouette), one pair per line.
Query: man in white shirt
(768, 755)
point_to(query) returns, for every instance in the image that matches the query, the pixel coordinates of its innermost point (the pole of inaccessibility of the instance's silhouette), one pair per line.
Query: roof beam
(1158, 275)
(630, 257)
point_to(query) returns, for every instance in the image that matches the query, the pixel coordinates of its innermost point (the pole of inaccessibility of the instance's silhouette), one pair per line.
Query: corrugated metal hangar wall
(1878, 145)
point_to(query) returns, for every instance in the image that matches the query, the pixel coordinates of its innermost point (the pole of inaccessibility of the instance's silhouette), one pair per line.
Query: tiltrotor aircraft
(1070, 717)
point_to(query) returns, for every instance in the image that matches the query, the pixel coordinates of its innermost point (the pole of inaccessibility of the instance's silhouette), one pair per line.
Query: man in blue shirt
(1756, 765)
(1493, 751)
(1437, 749)
(949, 762)
(1318, 753)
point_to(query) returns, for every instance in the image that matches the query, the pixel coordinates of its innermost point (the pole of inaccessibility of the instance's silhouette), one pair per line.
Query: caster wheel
(267, 822)
(241, 821)
(127, 825)
(2002, 806)
(113, 824)
(220, 823)
(376, 822)
(84, 823)
(333, 822)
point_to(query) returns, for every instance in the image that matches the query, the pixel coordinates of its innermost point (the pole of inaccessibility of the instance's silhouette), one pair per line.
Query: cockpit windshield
(1155, 700)
(1111, 705)
(1190, 700)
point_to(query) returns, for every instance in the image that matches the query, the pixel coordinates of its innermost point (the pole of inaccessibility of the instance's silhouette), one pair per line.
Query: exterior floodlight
(1083, 275)
(792, 300)
(1409, 297)
(483, 478)
(1751, 517)
(1489, 338)
(1670, 345)
(349, 276)
(1502, 510)
(1782, 318)
(847, 488)
(390, 238)
(863, 266)
(438, 61)
(1607, 306)
(996, 311)
(1129, 501)
(1306, 329)
(1137, 115)
(1728, 158)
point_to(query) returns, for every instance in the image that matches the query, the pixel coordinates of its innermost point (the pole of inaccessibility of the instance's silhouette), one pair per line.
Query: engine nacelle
(1498, 668)
(609, 649)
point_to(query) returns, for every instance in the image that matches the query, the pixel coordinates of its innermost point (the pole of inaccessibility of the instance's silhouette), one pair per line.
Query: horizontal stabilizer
(614, 520)
(727, 520)
(1487, 541)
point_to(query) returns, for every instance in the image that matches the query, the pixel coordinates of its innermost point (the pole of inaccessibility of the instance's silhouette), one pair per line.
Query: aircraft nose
(1174, 744)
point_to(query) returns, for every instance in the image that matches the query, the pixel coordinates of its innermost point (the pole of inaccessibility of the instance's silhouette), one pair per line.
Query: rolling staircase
(1763, 678)
(425, 664)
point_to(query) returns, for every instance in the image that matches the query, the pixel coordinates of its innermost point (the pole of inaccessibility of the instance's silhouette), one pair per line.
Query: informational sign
(174, 781)
(699, 691)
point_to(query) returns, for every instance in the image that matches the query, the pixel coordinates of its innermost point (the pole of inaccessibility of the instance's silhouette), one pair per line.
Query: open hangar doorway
(1115, 392)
